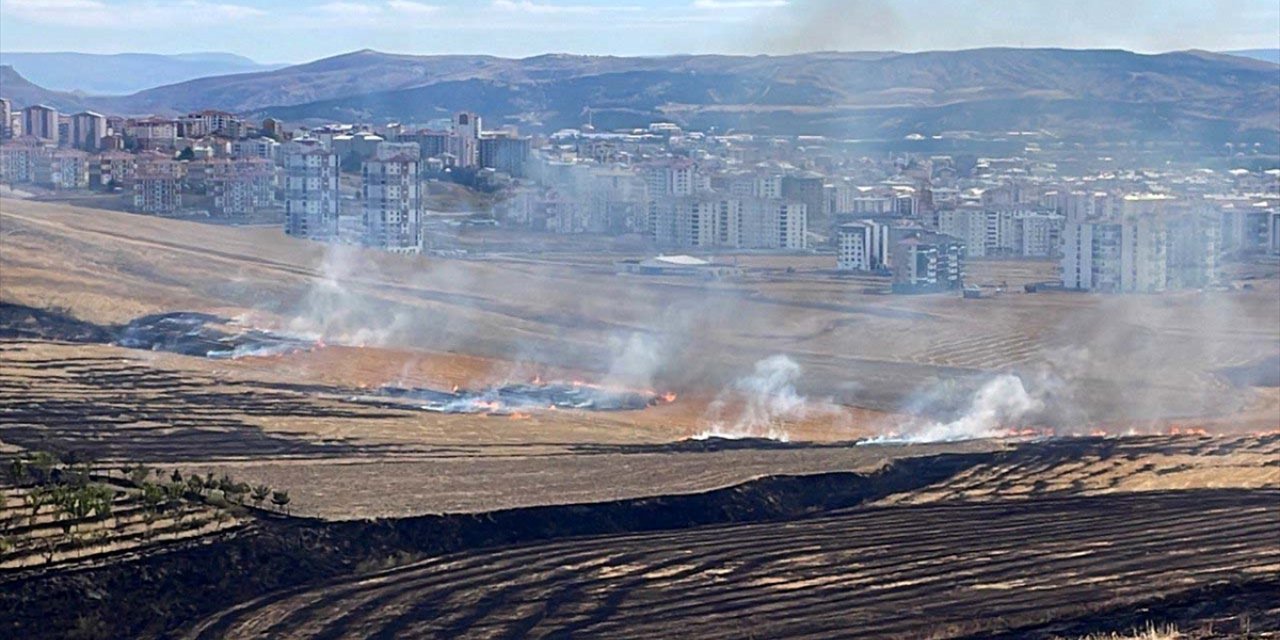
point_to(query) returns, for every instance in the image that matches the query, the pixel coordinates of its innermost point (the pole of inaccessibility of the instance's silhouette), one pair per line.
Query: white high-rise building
(1037, 235)
(713, 221)
(466, 137)
(971, 226)
(392, 207)
(863, 246)
(41, 122)
(6, 118)
(310, 190)
(774, 224)
(1151, 245)
(87, 130)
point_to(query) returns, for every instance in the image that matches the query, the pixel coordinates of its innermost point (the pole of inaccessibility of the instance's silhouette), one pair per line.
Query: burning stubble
(764, 403)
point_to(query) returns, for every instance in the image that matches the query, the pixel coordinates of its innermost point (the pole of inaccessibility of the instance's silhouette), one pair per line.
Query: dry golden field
(1144, 364)
(569, 522)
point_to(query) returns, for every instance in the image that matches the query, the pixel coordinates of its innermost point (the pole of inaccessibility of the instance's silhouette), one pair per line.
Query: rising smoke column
(636, 359)
(999, 404)
(768, 401)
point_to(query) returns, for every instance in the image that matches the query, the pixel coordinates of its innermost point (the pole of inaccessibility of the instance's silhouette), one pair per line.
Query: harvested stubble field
(1026, 539)
(878, 555)
(945, 570)
(1135, 358)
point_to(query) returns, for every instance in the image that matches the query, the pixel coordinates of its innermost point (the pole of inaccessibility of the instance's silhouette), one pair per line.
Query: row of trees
(66, 487)
(219, 492)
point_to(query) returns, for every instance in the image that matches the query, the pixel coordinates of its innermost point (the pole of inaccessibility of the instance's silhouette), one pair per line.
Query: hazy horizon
(273, 32)
(267, 63)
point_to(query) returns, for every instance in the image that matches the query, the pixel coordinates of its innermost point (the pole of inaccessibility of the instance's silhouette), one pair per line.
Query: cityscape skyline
(262, 30)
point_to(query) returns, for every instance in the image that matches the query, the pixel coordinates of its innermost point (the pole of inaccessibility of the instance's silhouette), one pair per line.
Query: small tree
(102, 499)
(234, 491)
(281, 500)
(152, 497)
(41, 466)
(260, 493)
(195, 483)
(36, 499)
(17, 471)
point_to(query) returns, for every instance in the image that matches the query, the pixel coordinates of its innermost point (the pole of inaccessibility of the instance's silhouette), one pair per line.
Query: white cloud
(392, 14)
(739, 4)
(413, 8)
(339, 9)
(548, 8)
(141, 14)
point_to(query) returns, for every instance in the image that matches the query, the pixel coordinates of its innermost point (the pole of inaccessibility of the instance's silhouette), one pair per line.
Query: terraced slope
(942, 570)
(38, 535)
(1151, 463)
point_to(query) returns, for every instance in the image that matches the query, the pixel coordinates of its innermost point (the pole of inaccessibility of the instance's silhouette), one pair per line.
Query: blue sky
(300, 30)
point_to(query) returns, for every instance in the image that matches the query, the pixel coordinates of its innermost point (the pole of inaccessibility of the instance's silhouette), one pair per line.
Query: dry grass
(1155, 463)
(1144, 356)
(914, 572)
(1151, 632)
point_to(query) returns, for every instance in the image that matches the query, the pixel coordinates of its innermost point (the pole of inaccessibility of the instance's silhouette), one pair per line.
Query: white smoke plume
(765, 401)
(1001, 404)
(636, 360)
(336, 311)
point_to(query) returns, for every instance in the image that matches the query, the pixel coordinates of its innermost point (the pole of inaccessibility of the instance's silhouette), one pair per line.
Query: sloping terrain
(797, 556)
(938, 571)
(1160, 360)
(1081, 93)
(22, 92)
(122, 73)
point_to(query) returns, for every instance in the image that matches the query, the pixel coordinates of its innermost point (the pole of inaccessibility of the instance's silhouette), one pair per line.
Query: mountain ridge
(123, 73)
(1189, 96)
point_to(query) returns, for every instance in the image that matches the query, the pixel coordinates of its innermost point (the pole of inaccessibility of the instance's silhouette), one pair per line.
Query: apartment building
(390, 192)
(1154, 243)
(310, 190)
(466, 138)
(61, 169)
(41, 122)
(87, 130)
(6, 119)
(862, 246)
(927, 262)
(153, 133)
(709, 220)
(264, 148)
(506, 153)
(210, 122)
(236, 186)
(157, 186)
(17, 159)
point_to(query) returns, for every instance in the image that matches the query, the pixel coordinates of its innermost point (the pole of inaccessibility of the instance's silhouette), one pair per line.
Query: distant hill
(25, 93)
(1185, 97)
(1266, 55)
(1188, 96)
(124, 73)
